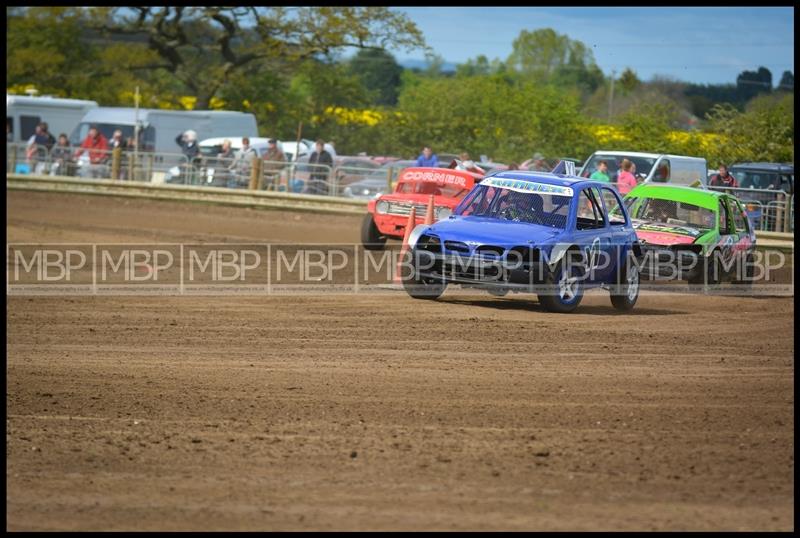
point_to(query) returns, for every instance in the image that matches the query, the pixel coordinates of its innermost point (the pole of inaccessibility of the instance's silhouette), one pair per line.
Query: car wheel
(709, 270)
(626, 291)
(565, 287)
(371, 237)
(498, 292)
(749, 269)
(423, 287)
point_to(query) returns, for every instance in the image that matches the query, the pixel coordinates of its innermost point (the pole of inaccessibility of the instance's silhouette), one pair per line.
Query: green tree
(204, 47)
(628, 81)
(379, 72)
(546, 55)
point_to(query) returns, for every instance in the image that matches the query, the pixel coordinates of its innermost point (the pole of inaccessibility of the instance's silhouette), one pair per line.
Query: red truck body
(389, 213)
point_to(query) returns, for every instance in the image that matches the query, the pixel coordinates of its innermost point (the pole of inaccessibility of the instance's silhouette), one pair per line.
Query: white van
(652, 167)
(158, 129)
(24, 113)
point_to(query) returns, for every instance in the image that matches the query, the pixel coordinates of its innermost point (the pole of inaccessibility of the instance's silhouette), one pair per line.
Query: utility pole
(611, 95)
(131, 172)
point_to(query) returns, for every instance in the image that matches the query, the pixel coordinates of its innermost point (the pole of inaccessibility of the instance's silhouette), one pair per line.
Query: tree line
(287, 66)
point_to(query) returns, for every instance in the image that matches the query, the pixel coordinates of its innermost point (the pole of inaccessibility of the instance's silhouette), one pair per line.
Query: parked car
(772, 176)
(652, 167)
(387, 215)
(531, 232)
(698, 235)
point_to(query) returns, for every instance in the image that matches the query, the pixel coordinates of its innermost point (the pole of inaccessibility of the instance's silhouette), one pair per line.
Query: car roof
(777, 167)
(548, 178)
(646, 155)
(679, 193)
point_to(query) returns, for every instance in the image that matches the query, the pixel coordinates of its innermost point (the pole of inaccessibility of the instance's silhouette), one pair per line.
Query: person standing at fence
(724, 178)
(273, 164)
(39, 145)
(625, 179)
(601, 174)
(428, 158)
(96, 145)
(61, 156)
(318, 183)
(243, 163)
(187, 140)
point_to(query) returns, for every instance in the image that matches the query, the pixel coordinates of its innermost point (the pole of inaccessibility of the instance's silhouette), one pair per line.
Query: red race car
(388, 214)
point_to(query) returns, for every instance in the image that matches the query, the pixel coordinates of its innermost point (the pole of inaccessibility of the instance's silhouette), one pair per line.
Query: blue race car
(546, 233)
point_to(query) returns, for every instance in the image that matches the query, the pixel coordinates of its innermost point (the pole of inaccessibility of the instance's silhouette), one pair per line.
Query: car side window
(738, 217)
(590, 211)
(723, 218)
(613, 208)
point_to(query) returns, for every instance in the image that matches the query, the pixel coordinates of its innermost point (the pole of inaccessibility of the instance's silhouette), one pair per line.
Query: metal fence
(769, 210)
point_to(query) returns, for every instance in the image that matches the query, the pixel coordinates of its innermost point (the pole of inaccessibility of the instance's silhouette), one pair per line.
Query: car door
(593, 236)
(619, 231)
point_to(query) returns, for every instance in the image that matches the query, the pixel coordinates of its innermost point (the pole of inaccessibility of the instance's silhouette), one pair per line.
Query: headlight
(365, 192)
(442, 212)
(382, 207)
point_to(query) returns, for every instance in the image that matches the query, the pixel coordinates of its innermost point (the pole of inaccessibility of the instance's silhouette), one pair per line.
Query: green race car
(692, 234)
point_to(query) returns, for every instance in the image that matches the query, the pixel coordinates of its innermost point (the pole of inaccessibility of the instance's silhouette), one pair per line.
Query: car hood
(661, 233)
(487, 231)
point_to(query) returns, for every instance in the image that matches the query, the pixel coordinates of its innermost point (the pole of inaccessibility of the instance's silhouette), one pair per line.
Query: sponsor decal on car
(440, 178)
(527, 186)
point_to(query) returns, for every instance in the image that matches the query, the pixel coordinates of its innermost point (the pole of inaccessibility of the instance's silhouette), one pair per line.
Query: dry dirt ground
(358, 412)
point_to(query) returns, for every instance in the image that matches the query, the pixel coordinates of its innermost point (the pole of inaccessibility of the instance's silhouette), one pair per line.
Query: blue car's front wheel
(564, 287)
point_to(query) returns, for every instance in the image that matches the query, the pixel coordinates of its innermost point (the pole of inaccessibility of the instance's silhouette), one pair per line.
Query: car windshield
(670, 212)
(643, 165)
(429, 187)
(545, 209)
(757, 179)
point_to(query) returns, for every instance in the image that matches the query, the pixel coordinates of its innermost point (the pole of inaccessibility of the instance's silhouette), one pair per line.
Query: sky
(708, 45)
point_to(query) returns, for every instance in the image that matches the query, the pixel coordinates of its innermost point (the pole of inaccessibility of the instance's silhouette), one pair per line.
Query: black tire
(498, 292)
(565, 294)
(371, 237)
(423, 288)
(709, 271)
(626, 292)
(747, 282)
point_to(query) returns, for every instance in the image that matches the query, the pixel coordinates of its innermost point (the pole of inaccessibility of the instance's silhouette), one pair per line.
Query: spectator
(601, 174)
(227, 150)
(187, 140)
(61, 154)
(39, 144)
(625, 179)
(537, 163)
(428, 158)
(513, 166)
(97, 148)
(724, 178)
(243, 162)
(117, 141)
(272, 167)
(319, 176)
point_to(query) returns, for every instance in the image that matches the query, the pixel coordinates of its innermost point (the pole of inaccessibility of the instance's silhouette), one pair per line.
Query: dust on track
(380, 412)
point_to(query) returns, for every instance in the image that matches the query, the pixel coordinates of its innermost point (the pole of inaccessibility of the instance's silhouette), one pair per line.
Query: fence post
(116, 156)
(149, 177)
(13, 153)
(778, 227)
(787, 213)
(389, 178)
(255, 173)
(132, 166)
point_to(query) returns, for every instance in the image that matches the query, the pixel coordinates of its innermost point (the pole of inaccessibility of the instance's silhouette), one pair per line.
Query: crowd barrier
(769, 210)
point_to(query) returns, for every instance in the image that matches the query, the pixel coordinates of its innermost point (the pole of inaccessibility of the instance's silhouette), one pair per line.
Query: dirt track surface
(358, 412)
